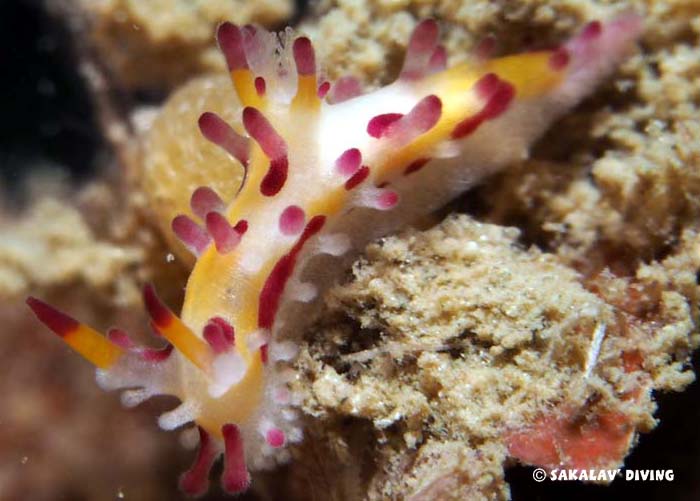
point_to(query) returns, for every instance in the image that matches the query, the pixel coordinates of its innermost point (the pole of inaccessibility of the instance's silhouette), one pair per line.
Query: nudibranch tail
(325, 166)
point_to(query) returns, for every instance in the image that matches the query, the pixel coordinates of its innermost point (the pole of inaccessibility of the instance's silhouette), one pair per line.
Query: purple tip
(304, 56)
(58, 322)
(231, 43)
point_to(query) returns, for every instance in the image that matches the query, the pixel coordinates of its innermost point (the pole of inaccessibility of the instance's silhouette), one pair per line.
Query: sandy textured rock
(460, 335)
(52, 244)
(158, 44)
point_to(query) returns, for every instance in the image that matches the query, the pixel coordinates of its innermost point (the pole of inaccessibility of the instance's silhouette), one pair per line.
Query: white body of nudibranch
(327, 170)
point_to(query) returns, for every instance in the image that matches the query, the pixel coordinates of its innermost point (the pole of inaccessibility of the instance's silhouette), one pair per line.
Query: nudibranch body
(327, 170)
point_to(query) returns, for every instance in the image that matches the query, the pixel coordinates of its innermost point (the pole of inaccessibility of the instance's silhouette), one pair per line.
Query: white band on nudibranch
(184, 413)
(132, 398)
(335, 244)
(283, 351)
(302, 291)
(257, 339)
(227, 370)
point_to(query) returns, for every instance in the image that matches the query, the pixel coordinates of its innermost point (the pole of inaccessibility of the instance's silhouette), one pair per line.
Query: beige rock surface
(155, 45)
(459, 335)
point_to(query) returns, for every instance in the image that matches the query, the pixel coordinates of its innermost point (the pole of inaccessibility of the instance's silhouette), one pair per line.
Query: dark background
(47, 118)
(48, 122)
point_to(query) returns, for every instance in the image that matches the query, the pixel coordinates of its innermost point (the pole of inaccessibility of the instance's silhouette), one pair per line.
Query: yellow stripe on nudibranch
(231, 39)
(244, 83)
(529, 75)
(310, 164)
(533, 75)
(306, 97)
(175, 331)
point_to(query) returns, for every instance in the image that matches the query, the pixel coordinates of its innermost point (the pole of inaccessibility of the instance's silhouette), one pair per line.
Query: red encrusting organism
(327, 169)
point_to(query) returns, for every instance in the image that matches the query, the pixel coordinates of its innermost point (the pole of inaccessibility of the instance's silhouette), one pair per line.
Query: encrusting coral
(460, 335)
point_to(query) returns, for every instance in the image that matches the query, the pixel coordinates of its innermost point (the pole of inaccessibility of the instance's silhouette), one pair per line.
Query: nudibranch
(327, 169)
